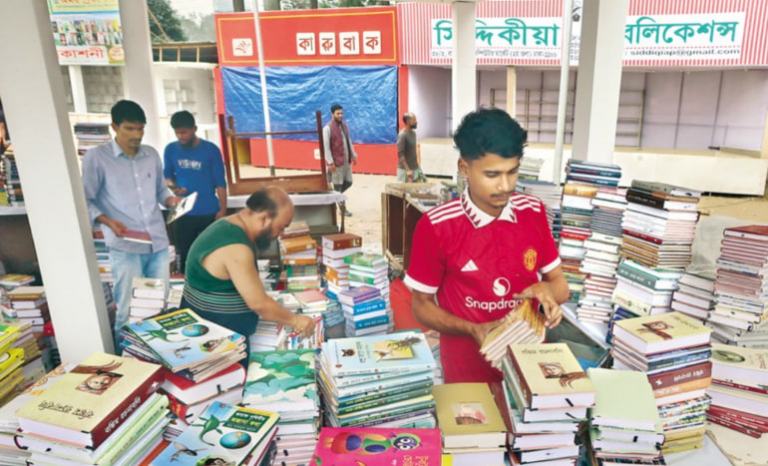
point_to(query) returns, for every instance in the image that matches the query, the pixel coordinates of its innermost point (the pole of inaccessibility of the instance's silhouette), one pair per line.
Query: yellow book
(551, 377)
(682, 448)
(9, 361)
(673, 435)
(447, 460)
(468, 416)
(10, 383)
(661, 333)
(8, 335)
(732, 363)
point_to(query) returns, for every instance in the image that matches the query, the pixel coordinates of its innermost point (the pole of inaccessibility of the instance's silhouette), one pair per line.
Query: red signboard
(348, 36)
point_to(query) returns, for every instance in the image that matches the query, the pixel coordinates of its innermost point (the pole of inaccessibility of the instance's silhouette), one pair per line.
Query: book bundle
(335, 249)
(90, 135)
(551, 195)
(673, 351)
(271, 335)
(530, 168)
(741, 288)
(524, 325)
(26, 307)
(299, 254)
(11, 362)
(382, 380)
(695, 296)
(32, 368)
(102, 256)
(546, 395)
(644, 290)
(147, 298)
(366, 311)
(11, 193)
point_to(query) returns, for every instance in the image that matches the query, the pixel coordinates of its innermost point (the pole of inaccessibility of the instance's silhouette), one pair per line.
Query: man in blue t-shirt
(194, 165)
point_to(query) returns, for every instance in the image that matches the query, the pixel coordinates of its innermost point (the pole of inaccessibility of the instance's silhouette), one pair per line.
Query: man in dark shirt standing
(408, 170)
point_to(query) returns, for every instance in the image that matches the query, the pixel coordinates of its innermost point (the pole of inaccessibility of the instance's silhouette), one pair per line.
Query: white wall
(429, 97)
(492, 79)
(743, 105)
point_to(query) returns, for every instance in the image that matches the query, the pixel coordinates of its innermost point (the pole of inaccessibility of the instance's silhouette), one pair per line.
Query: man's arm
(164, 196)
(241, 267)
(222, 194)
(401, 143)
(217, 165)
(327, 148)
(429, 314)
(92, 181)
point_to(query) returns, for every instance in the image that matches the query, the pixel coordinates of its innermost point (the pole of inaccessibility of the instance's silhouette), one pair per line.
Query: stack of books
(522, 326)
(741, 289)
(377, 446)
(551, 195)
(147, 298)
(11, 362)
(369, 270)
(608, 210)
(695, 296)
(546, 394)
(103, 411)
(739, 389)
(335, 249)
(433, 338)
(599, 266)
(299, 255)
(472, 426)
(623, 431)
(102, 256)
(29, 305)
(269, 278)
(15, 280)
(13, 194)
(659, 225)
(295, 229)
(673, 351)
(365, 310)
(33, 368)
(383, 380)
(333, 315)
(576, 217)
(302, 277)
(187, 399)
(530, 168)
(284, 382)
(312, 302)
(184, 343)
(90, 135)
(644, 290)
(270, 335)
(619, 313)
(224, 435)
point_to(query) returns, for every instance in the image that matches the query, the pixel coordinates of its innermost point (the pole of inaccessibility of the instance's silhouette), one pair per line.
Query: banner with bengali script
(87, 32)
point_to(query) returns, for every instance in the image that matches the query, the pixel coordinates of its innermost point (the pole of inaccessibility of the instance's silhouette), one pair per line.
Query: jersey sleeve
(427, 262)
(549, 257)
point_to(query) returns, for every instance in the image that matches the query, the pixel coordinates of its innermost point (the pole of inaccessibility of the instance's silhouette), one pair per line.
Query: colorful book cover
(357, 446)
(8, 335)
(549, 369)
(366, 260)
(282, 380)
(405, 352)
(223, 435)
(182, 339)
(10, 360)
(95, 397)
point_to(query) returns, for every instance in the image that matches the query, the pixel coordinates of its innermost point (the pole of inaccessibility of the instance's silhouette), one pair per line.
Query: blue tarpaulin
(367, 93)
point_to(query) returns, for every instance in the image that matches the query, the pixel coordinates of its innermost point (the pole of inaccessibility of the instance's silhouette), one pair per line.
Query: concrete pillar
(33, 97)
(512, 91)
(764, 147)
(78, 88)
(137, 73)
(597, 92)
(464, 69)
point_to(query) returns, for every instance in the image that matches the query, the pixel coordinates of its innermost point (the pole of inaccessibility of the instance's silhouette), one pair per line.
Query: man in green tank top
(222, 280)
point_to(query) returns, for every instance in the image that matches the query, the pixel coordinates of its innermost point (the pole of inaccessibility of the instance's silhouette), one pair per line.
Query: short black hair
(127, 110)
(490, 130)
(335, 107)
(182, 119)
(261, 201)
(406, 118)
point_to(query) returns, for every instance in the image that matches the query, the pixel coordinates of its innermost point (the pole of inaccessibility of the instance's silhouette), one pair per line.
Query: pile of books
(119, 426)
(369, 270)
(644, 290)
(673, 351)
(11, 362)
(623, 432)
(599, 266)
(551, 195)
(184, 343)
(576, 218)
(147, 298)
(739, 389)
(32, 369)
(741, 289)
(270, 335)
(333, 315)
(269, 278)
(358, 446)
(224, 434)
(366, 311)
(546, 394)
(695, 296)
(187, 400)
(433, 339)
(299, 254)
(12, 194)
(284, 382)
(102, 256)
(524, 325)
(383, 380)
(90, 135)
(29, 305)
(530, 168)
(335, 249)
(659, 225)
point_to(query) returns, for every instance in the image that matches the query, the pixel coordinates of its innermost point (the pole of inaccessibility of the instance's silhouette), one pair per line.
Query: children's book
(282, 381)
(224, 435)
(356, 446)
(398, 353)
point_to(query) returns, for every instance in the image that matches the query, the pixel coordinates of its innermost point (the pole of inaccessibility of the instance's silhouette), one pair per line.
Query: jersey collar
(479, 218)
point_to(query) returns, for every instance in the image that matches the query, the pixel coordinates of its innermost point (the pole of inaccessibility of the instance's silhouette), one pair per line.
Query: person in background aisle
(124, 188)
(408, 170)
(194, 165)
(339, 152)
(482, 253)
(222, 282)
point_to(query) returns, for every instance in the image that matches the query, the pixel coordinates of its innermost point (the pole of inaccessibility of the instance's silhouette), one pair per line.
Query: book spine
(686, 374)
(756, 422)
(406, 411)
(369, 306)
(368, 323)
(364, 374)
(384, 401)
(521, 377)
(379, 394)
(682, 388)
(642, 236)
(738, 386)
(346, 243)
(645, 199)
(360, 278)
(733, 426)
(115, 419)
(650, 186)
(177, 407)
(636, 276)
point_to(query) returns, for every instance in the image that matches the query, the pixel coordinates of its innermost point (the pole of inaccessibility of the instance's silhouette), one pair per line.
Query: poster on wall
(87, 32)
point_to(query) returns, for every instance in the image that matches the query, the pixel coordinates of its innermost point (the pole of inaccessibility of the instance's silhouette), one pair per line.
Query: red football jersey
(475, 263)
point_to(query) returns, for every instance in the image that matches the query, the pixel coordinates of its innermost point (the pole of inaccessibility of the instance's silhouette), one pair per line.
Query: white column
(78, 88)
(137, 73)
(33, 97)
(464, 69)
(599, 80)
(512, 91)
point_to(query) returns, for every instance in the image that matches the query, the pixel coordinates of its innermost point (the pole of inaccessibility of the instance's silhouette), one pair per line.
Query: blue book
(368, 323)
(365, 307)
(402, 353)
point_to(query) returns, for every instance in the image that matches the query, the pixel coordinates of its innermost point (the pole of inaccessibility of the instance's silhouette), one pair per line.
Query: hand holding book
(543, 293)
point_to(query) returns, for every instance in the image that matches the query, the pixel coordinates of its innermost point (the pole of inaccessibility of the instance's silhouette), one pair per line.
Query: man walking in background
(194, 165)
(339, 152)
(408, 170)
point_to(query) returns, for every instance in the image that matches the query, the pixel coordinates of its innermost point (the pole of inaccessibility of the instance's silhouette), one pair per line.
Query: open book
(187, 204)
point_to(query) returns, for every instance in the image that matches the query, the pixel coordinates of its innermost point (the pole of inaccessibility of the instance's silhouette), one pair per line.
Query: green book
(366, 260)
(624, 400)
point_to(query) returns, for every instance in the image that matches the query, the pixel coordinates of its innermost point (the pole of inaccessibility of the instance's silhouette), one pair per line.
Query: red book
(733, 426)
(190, 392)
(137, 236)
(755, 232)
(681, 376)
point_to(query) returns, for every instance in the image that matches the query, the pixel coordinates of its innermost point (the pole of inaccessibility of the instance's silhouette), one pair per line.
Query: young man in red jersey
(475, 258)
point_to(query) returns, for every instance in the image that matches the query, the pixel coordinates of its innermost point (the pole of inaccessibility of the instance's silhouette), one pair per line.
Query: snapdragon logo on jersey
(501, 288)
